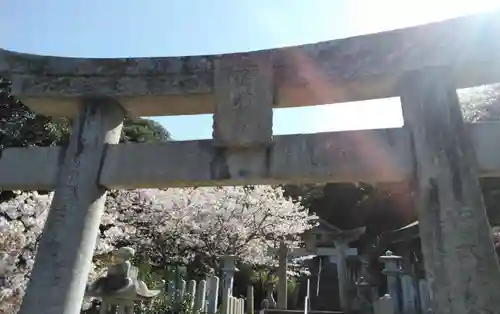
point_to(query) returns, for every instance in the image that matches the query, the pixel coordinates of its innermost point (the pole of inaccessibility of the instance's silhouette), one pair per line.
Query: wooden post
(250, 300)
(191, 293)
(229, 309)
(461, 266)
(228, 269)
(423, 294)
(282, 277)
(67, 244)
(307, 299)
(200, 299)
(172, 292)
(241, 309)
(212, 294)
(342, 275)
(182, 289)
(409, 294)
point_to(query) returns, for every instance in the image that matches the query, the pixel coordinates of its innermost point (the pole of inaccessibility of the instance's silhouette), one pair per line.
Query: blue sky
(141, 28)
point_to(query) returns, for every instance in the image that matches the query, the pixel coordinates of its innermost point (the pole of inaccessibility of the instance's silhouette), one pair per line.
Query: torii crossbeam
(435, 150)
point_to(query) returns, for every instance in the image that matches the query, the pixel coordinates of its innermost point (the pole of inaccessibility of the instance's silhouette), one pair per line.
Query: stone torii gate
(435, 150)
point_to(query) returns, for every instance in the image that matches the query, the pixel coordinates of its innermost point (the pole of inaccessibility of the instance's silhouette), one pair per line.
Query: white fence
(203, 296)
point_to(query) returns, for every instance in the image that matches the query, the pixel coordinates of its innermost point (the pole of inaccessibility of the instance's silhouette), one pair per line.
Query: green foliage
(292, 285)
(143, 130)
(305, 193)
(163, 303)
(159, 305)
(184, 307)
(350, 205)
(261, 278)
(20, 127)
(152, 278)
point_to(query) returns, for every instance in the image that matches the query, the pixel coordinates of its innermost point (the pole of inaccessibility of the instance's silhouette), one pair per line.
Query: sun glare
(367, 16)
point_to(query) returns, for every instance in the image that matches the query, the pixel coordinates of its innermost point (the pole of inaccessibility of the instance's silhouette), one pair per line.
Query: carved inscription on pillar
(243, 117)
(244, 93)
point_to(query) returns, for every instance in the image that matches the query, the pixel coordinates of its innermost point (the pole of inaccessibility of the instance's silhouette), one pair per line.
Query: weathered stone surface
(121, 283)
(371, 156)
(357, 68)
(460, 260)
(30, 168)
(244, 93)
(339, 157)
(67, 244)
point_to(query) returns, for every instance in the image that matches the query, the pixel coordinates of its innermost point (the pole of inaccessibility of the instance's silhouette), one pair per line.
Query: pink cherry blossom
(173, 225)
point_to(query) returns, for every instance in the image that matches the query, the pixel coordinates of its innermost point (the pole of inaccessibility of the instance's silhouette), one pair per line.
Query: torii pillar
(342, 240)
(460, 261)
(66, 247)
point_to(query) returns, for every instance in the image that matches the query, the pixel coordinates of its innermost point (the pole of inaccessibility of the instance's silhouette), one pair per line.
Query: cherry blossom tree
(21, 222)
(170, 225)
(22, 219)
(177, 225)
